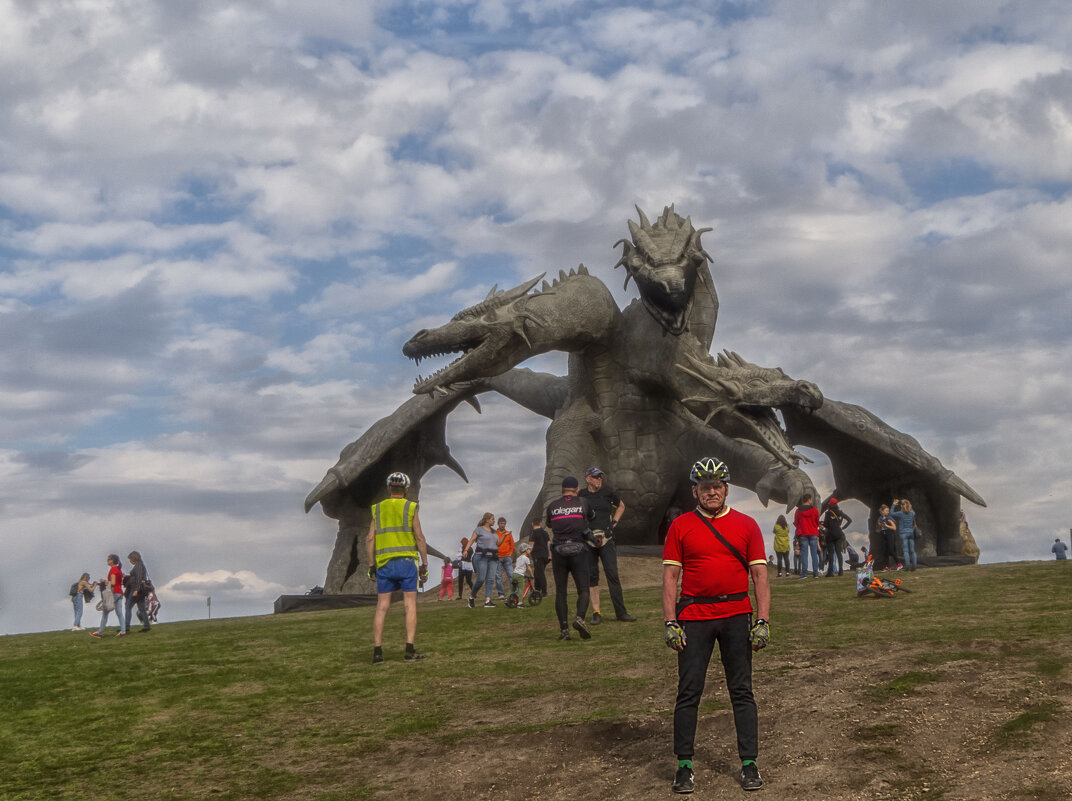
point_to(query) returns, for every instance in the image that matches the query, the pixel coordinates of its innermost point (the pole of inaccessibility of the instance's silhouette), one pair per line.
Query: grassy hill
(958, 690)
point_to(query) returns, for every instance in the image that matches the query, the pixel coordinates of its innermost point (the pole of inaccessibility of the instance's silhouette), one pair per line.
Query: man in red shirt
(714, 569)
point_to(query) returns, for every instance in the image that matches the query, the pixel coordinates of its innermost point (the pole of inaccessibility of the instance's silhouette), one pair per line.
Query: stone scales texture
(643, 399)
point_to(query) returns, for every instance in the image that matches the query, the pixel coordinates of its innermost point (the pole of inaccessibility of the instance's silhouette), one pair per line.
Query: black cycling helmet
(709, 469)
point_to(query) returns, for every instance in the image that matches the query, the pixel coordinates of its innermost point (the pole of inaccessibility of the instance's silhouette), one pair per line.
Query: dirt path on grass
(943, 738)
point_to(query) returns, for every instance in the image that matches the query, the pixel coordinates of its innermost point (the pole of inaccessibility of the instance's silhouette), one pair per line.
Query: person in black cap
(569, 518)
(608, 509)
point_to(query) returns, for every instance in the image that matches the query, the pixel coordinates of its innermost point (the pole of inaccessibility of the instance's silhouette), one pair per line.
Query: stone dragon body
(643, 399)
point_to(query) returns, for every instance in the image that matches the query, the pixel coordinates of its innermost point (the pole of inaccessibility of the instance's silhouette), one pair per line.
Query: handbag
(569, 547)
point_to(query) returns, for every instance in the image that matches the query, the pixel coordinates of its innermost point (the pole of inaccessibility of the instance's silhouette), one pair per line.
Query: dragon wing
(867, 454)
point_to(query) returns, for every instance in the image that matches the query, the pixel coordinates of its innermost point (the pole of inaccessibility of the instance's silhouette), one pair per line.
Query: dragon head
(742, 396)
(509, 326)
(664, 260)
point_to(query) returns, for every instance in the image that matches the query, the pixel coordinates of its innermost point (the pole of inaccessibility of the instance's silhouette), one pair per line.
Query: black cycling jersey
(569, 518)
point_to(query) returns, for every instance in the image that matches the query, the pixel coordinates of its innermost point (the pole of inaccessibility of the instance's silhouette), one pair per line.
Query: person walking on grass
(1059, 549)
(393, 545)
(136, 595)
(111, 589)
(81, 591)
(505, 539)
(714, 551)
(485, 559)
(608, 509)
(568, 517)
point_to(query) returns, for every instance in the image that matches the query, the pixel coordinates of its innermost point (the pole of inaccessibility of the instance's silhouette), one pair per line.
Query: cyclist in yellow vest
(393, 545)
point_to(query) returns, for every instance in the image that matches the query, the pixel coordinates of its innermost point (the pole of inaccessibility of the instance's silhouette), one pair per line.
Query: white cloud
(382, 292)
(236, 584)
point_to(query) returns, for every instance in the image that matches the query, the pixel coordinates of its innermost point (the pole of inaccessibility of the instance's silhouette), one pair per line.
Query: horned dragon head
(740, 396)
(664, 259)
(509, 326)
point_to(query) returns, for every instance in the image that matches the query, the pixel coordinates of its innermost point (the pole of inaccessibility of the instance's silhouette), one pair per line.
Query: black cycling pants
(563, 567)
(731, 634)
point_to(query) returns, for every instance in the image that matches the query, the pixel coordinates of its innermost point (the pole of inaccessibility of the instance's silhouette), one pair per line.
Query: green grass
(280, 707)
(1029, 718)
(905, 684)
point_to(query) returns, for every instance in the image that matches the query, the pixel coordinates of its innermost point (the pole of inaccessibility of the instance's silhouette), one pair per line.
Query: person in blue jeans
(905, 518)
(83, 592)
(485, 547)
(111, 590)
(806, 523)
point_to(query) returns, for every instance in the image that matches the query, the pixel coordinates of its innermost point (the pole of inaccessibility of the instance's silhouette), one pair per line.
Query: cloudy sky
(219, 221)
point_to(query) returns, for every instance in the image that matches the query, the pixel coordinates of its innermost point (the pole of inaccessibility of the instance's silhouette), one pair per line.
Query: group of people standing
(820, 538)
(578, 538)
(119, 593)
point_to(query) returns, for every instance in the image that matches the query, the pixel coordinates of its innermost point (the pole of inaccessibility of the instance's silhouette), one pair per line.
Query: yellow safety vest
(394, 530)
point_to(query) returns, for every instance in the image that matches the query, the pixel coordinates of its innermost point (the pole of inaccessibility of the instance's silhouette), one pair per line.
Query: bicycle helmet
(398, 480)
(709, 469)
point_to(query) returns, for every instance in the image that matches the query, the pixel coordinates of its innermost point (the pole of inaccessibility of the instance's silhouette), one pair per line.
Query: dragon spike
(723, 361)
(452, 463)
(472, 401)
(562, 275)
(546, 287)
(628, 275)
(643, 218)
(582, 270)
(491, 292)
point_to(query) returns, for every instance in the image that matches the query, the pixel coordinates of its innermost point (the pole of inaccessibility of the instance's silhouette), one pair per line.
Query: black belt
(689, 600)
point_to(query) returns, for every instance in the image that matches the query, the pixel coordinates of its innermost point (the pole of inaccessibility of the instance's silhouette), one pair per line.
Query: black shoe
(750, 779)
(596, 618)
(582, 629)
(564, 635)
(413, 656)
(627, 618)
(377, 659)
(470, 602)
(683, 782)
(145, 628)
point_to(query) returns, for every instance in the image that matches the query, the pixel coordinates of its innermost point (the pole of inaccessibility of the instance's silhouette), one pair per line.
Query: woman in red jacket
(806, 523)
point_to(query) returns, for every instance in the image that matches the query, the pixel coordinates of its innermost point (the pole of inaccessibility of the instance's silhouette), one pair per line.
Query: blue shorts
(398, 574)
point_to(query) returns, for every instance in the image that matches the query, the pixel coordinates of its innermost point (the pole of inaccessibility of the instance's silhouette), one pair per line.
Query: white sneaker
(77, 628)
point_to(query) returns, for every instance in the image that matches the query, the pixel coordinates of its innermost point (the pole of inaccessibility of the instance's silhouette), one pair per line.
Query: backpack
(74, 590)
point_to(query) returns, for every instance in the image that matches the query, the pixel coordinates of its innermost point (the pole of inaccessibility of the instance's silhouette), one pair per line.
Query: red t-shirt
(806, 521)
(707, 566)
(115, 580)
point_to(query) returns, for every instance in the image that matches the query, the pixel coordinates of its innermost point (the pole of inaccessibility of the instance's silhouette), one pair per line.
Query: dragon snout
(410, 348)
(810, 395)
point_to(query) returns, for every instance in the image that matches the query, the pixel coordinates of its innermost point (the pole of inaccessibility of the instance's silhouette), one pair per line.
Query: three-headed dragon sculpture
(643, 399)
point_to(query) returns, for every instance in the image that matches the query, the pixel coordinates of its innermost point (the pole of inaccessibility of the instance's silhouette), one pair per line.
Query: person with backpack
(80, 592)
